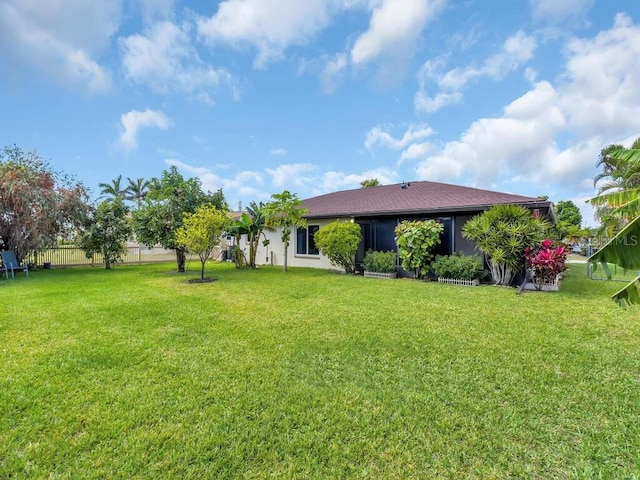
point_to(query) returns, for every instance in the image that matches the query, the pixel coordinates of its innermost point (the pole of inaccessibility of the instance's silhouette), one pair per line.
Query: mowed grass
(135, 373)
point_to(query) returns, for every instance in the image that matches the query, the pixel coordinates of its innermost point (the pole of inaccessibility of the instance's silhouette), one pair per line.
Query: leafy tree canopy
(285, 210)
(370, 182)
(168, 199)
(109, 231)
(202, 231)
(37, 204)
(568, 212)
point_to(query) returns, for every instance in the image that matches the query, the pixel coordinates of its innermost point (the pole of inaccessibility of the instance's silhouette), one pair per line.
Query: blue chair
(10, 264)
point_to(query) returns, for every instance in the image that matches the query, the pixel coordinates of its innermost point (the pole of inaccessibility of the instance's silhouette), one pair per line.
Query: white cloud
(296, 174)
(60, 38)
(244, 185)
(600, 86)
(394, 28)
(331, 72)
(269, 27)
(278, 151)
(154, 9)
(520, 142)
(424, 103)
(416, 151)
(516, 50)
(333, 181)
(595, 102)
(135, 120)
(164, 59)
(378, 136)
(556, 10)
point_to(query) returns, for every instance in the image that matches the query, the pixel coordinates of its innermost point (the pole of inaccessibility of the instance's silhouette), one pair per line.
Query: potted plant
(546, 264)
(380, 264)
(458, 269)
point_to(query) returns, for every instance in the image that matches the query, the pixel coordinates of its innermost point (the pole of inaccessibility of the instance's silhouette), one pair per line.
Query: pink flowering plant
(546, 262)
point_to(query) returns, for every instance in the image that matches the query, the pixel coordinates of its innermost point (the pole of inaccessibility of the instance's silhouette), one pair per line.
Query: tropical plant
(339, 242)
(110, 191)
(380, 261)
(458, 266)
(37, 204)
(251, 223)
(502, 233)
(108, 233)
(415, 240)
(285, 210)
(137, 190)
(161, 215)
(546, 262)
(621, 170)
(236, 229)
(202, 231)
(624, 248)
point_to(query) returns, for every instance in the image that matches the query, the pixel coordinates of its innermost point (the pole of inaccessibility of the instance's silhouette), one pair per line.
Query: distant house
(379, 209)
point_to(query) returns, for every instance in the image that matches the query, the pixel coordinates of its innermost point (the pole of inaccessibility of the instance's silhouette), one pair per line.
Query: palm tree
(113, 190)
(285, 210)
(137, 190)
(623, 203)
(618, 174)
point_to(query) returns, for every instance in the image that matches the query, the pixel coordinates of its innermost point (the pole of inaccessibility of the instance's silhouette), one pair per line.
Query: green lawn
(134, 373)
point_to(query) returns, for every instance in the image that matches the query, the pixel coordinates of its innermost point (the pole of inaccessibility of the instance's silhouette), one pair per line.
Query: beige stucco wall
(273, 254)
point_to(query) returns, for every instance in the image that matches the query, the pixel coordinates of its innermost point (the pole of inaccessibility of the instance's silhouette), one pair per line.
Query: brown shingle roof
(412, 197)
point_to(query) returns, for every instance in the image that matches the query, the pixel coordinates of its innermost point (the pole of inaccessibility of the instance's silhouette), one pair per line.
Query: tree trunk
(286, 247)
(202, 270)
(107, 263)
(180, 257)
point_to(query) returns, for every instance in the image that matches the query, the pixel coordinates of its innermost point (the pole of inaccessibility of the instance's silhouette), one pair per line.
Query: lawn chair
(10, 264)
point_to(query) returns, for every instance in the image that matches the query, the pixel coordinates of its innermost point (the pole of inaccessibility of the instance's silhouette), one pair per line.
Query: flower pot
(548, 286)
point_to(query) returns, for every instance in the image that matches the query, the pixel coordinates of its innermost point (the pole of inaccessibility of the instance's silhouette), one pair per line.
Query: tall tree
(285, 211)
(568, 219)
(161, 215)
(370, 182)
(110, 191)
(109, 232)
(136, 190)
(37, 204)
(202, 231)
(619, 173)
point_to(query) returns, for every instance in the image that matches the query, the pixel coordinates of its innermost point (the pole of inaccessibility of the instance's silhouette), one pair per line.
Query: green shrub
(339, 242)
(458, 266)
(415, 241)
(380, 262)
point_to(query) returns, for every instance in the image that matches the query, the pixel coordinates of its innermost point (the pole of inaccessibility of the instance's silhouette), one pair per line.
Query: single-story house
(379, 209)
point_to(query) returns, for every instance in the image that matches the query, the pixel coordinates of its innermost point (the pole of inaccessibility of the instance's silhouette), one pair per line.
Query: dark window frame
(305, 244)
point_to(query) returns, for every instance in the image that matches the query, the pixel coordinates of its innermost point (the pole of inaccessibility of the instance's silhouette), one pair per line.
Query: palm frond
(622, 250)
(629, 295)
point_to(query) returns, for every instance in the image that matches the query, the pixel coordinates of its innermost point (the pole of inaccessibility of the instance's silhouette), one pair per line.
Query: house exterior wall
(377, 234)
(273, 254)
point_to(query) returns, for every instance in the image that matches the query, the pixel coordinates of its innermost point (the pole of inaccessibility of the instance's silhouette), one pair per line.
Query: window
(305, 244)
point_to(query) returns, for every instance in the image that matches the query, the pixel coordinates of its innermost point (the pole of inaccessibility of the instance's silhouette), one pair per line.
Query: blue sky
(259, 96)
